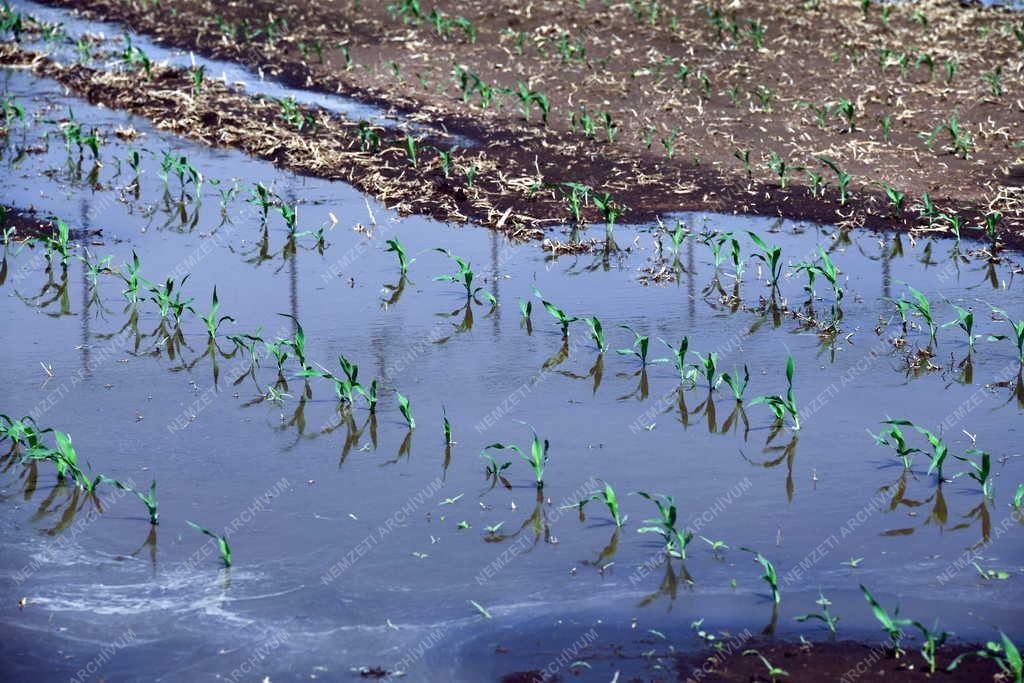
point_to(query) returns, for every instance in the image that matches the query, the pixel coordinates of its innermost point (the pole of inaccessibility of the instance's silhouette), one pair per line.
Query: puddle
(254, 83)
(344, 554)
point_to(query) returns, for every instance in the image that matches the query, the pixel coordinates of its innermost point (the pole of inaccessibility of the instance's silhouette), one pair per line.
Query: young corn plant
(738, 386)
(965, 321)
(890, 624)
(898, 442)
(774, 672)
(641, 344)
(781, 405)
(403, 407)
(981, 471)
(709, 365)
(464, 276)
(896, 197)
(58, 244)
(770, 576)
(1018, 333)
(168, 299)
(148, 499)
(842, 179)
(557, 313)
(1006, 655)
(824, 616)
(687, 374)
(129, 273)
(596, 332)
(933, 640)
(395, 245)
(918, 303)
(939, 448)
(610, 210)
(664, 525)
(537, 458)
(222, 542)
(607, 496)
(771, 257)
(211, 320)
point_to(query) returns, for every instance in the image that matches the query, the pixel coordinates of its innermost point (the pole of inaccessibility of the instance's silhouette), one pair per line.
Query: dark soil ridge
(648, 185)
(507, 195)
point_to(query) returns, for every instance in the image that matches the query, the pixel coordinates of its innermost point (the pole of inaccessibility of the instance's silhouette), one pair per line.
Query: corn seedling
(148, 499)
(896, 197)
(447, 427)
(11, 110)
(369, 139)
(1018, 333)
(464, 276)
(169, 300)
(965, 321)
(133, 58)
(898, 442)
(771, 257)
(960, 140)
(1005, 654)
(537, 458)
(493, 469)
(664, 525)
(890, 624)
(781, 405)
(846, 109)
(744, 157)
(709, 365)
(842, 179)
(641, 344)
(939, 448)
(917, 303)
(403, 407)
(778, 164)
(770, 576)
(610, 210)
(716, 546)
(57, 245)
(686, 371)
(298, 341)
(774, 672)
(981, 471)
(222, 542)
(93, 268)
(992, 219)
(596, 332)
(824, 616)
(558, 314)
(404, 262)
(669, 142)
(738, 386)
(607, 496)
(446, 159)
(995, 81)
(211, 320)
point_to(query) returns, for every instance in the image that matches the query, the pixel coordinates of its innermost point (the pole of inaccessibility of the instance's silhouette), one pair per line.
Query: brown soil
(813, 55)
(28, 224)
(845, 661)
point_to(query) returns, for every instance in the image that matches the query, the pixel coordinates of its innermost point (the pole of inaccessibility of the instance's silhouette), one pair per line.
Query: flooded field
(366, 540)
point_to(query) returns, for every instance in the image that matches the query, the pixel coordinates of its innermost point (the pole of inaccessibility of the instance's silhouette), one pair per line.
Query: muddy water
(346, 553)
